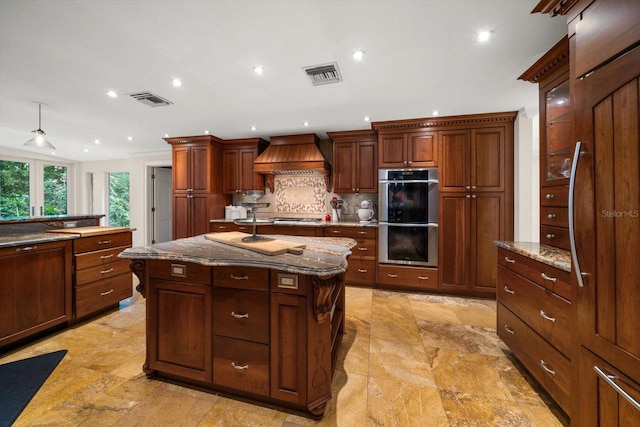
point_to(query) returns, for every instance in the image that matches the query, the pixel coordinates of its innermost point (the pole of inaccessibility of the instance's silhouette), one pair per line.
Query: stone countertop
(549, 255)
(310, 224)
(322, 257)
(12, 240)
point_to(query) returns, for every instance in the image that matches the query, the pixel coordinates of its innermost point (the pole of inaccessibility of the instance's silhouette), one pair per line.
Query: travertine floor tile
(469, 410)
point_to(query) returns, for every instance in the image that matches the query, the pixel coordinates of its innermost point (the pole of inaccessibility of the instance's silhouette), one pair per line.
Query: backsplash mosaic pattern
(300, 194)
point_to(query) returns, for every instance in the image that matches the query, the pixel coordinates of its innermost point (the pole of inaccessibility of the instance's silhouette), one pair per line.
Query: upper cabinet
(355, 156)
(237, 168)
(408, 149)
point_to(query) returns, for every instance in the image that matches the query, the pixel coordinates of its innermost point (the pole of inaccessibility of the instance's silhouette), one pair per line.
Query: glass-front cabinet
(558, 148)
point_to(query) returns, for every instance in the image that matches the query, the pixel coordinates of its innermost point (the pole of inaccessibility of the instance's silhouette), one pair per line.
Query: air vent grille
(150, 99)
(323, 74)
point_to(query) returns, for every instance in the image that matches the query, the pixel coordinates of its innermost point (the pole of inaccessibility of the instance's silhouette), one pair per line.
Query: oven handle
(408, 181)
(409, 224)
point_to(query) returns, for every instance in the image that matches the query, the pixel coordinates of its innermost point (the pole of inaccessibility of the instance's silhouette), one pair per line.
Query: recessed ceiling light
(176, 82)
(358, 55)
(96, 141)
(253, 128)
(129, 138)
(206, 132)
(53, 152)
(305, 124)
(166, 135)
(435, 112)
(483, 36)
(86, 150)
(258, 69)
(367, 119)
(112, 94)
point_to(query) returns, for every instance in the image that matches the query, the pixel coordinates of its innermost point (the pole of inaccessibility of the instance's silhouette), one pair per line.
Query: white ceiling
(421, 56)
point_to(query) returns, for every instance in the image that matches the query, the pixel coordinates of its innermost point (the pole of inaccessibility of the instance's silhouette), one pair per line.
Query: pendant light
(39, 140)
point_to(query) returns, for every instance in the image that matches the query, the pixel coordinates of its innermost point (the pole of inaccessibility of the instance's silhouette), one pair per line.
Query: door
(488, 159)
(422, 149)
(487, 226)
(455, 156)
(161, 205)
(344, 172)
(366, 171)
(455, 245)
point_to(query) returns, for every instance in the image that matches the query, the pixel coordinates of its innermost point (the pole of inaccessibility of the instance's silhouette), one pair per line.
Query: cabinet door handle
(509, 260)
(473, 187)
(550, 236)
(508, 290)
(468, 187)
(362, 270)
(575, 265)
(240, 316)
(363, 249)
(108, 270)
(26, 249)
(423, 277)
(106, 256)
(551, 279)
(549, 196)
(362, 232)
(393, 276)
(551, 216)
(546, 368)
(508, 329)
(335, 231)
(239, 367)
(233, 276)
(610, 379)
(106, 293)
(104, 242)
(546, 316)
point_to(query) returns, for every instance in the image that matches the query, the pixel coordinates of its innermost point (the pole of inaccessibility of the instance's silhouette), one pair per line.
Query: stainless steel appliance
(408, 217)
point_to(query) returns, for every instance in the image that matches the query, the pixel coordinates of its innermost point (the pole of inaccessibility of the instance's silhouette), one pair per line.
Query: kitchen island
(263, 327)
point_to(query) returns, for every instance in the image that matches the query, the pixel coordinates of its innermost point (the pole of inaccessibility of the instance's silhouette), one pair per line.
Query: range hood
(292, 155)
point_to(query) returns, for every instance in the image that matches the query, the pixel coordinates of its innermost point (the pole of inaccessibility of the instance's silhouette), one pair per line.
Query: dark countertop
(12, 240)
(322, 257)
(555, 257)
(49, 218)
(312, 224)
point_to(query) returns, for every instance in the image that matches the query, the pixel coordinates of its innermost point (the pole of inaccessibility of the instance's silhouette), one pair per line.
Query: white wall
(527, 178)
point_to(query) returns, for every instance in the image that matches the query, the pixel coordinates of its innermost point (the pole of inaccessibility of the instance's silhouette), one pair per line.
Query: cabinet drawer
(99, 272)
(554, 216)
(242, 277)
(556, 280)
(353, 232)
(95, 258)
(364, 249)
(555, 236)
(546, 364)
(554, 196)
(103, 293)
(545, 312)
(180, 271)
(241, 314)
(241, 365)
(93, 243)
(289, 230)
(361, 272)
(221, 227)
(408, 277)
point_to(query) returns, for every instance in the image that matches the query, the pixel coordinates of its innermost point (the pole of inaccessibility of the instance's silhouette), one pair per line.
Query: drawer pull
(423, 277)
(106, 256)
(551, 279)
(26, 249)
(363, 249)
(233, 276)
(508, 290)
(239, 367)
(546, 316)
(362, 270)
(222, 227)
(104, 242)
(108, 270)
(551, 216)
(240, 316)
(106, 293)
(509, 260)
(508, 329)
(550, 236)
(362, 232)
(335, 231)
(544, 366)
(610, 379)
(393, 276)
(550, 196)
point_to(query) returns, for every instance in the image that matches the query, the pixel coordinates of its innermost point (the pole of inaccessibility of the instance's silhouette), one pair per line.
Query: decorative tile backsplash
(300, 194)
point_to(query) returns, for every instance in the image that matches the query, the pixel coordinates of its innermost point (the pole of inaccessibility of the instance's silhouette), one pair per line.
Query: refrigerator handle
(572, 231)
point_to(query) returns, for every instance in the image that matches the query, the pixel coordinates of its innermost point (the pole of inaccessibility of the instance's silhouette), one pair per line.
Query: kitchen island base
(258, 333)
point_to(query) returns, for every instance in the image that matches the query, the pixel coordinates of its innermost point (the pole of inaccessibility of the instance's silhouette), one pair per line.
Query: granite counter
(549, 255)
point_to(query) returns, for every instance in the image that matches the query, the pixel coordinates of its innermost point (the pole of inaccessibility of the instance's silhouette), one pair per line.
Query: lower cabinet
(35, 289)
(401, 277)
(362, 262)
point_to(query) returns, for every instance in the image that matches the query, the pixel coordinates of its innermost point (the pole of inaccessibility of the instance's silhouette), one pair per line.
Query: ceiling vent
(150, 99)
(323, 74)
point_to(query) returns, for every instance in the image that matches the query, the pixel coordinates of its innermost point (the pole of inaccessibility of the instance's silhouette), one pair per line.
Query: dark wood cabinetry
(408, 149)
(355, 159)
(237, 165)
(35, 293)
(197, 193)
(362, 262)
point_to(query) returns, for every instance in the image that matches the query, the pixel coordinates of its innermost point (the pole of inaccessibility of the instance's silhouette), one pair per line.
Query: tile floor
(407, 360)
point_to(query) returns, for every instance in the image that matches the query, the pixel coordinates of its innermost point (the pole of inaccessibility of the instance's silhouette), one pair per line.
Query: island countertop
(322, 257)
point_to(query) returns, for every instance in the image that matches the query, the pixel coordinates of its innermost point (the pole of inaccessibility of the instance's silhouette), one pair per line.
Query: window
(119, 199)
(33, 188)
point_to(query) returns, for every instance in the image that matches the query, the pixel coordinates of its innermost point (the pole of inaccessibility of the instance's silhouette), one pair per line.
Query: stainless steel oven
(408, 216)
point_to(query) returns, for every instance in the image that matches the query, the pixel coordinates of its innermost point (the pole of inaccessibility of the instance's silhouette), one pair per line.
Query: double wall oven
(408, 216)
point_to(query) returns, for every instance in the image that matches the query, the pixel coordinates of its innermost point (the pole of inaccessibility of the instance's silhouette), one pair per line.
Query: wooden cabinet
(468, 226)
(237, 165)
(408, 149)
(363, 259)
(535, 319)
(221, 227)
(408, 278)
(551, 72)
(196, 185)
(101, 279)
(355, 159)
(35, 292)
